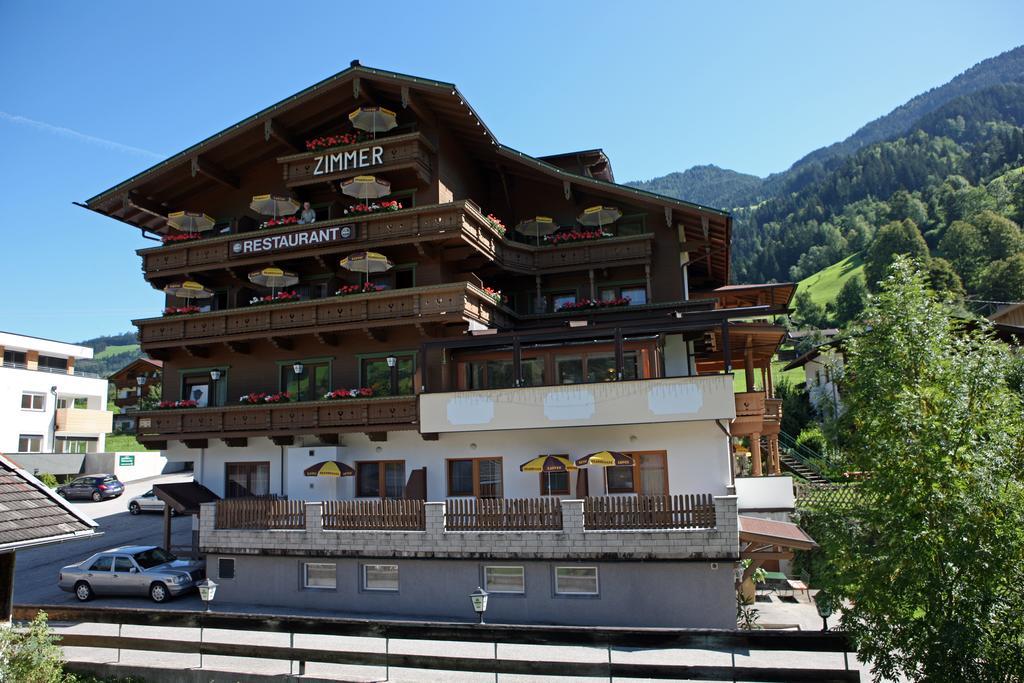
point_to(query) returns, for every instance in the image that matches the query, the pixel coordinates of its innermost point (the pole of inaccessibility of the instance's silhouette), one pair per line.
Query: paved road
(35, 575)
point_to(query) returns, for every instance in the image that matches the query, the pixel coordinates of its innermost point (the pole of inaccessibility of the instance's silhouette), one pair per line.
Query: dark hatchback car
(95, 486)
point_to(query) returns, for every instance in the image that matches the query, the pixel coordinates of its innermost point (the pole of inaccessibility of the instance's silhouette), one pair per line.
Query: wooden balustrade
(260, 513)
(387, 515)
(684, 511)
(503, 514)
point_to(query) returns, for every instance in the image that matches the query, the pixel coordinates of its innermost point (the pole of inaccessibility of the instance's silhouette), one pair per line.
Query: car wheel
(96, 496)
(159, 592)
(134, 508)
(83, 591)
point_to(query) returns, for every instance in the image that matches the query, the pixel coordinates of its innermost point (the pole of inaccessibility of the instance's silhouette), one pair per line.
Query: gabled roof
(31, 514)
(809, 356)
(143, 362)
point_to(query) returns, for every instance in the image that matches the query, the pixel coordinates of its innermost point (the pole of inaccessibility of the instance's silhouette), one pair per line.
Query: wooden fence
(686, 511)
(503, 514)
(740, 645)
(260, 513)
(393, 515)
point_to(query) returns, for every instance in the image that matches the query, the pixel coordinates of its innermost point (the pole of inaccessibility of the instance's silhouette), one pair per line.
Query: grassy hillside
(825, 284)
(115, 350)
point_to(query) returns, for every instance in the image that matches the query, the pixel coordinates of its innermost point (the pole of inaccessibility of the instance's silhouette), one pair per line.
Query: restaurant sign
(310, 237)
(347, 161)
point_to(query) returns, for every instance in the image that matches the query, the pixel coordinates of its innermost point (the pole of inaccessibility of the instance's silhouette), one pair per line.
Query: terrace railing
(503, 514)
(260, 513)
(685, 511)
(385, 515)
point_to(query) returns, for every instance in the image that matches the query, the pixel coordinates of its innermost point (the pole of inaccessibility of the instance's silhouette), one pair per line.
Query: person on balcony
(308, 215)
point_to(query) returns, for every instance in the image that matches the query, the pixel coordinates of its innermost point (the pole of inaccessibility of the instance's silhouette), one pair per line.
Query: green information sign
(126, 460)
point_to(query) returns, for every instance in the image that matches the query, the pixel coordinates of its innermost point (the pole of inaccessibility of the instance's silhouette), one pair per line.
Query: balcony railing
(757, 414)
(260, 513)
(686, 511)
(84, 421)
(455, 302)
(461, 221)
(53, 371)
(374, 515)
(503, 514)
(372, 414)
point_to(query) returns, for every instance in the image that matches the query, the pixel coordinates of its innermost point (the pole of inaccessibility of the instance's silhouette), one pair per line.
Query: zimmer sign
(348, 161)
(300, 239)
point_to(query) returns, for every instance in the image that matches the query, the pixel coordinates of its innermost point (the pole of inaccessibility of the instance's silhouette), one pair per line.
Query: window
(647, 476)
(387, 381)
(80, 403)
(504, 580)
(79, 445)
(630, 225)
(399, 277)
(637, 294)
(319, 575)
(103, 563)
(196, 388)
(53, 364)
(32, 401)
(123, 564)
(569, 369)
(17, 359)
(576, 581)
(554, 483)
(480, 477)
(498, 374)
(381, 479)
(559, 299)
(246, 479)
(311, 385)
(226, 568)
(30, 443)
(380, 577)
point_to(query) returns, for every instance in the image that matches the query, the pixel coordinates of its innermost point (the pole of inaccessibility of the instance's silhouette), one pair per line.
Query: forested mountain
(941, 176)
(111, 353)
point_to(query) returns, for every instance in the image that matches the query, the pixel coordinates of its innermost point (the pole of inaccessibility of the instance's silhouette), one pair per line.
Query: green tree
(807, 312)
(930, 558)
(1003, 280)
(965, 248)
(1001, 235)
(851, 301)
(153, 396)
(893, 239)
(943, 280)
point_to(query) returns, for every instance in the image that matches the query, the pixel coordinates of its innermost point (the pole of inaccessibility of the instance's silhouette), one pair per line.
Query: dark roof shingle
(29, 513)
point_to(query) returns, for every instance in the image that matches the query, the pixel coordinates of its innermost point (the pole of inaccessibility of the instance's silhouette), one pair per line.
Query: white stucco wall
(697, 457)
(765, 493)
(822, 389)
(15, 421)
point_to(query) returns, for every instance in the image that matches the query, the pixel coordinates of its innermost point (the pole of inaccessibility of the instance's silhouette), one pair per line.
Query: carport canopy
(769, 539)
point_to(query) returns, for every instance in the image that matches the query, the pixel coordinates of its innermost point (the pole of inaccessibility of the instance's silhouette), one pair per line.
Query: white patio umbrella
(536, 227)
(271, 205)
(188, 290)
(599, 216)
(366, 187)
(273, 278)
(366, 262)
(189, 221)
(373, 119)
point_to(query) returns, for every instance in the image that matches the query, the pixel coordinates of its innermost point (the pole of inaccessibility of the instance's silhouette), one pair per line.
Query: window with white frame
(380, 577)
(504, 580)
(576, 581)
(320, 575)
(30, 443)
(30, 400)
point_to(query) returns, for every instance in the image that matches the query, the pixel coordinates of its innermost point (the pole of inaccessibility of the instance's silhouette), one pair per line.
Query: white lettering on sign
(293, 240)
(346, 161)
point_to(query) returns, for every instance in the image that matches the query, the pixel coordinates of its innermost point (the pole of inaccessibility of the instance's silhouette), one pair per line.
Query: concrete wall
(665, 594)
(15, 421)
(697, 456)
(765, 493)
(146, 464)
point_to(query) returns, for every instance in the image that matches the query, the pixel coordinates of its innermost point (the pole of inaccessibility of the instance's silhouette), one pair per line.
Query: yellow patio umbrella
(604, 459)
(536, 227)
(273, 205)
(329, 468)
(366, 187)
(189, 221)
(366, 262)
(548, 463)
(273, 278)
(373, 119)
(188, 290)
(599, 216)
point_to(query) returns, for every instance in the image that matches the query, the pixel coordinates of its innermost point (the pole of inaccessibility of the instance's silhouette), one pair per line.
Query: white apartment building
(46, 405)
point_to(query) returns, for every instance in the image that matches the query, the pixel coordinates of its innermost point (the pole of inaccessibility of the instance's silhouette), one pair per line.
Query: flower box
(279, 397)
(585, 304)
(495, 295)
(576, 236)
(166, 405)
(496, 224)
(365, 288)
(339, 140)
(180, 237)
(278, 222)
(376, 207)
(264, 397)
(180, 310)
(338, 394)
(278, 298)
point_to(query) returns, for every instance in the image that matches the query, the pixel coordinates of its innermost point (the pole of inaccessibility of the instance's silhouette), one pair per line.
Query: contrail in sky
(74, 134)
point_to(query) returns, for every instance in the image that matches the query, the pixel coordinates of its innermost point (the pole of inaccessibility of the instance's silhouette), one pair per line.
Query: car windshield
(153, 557)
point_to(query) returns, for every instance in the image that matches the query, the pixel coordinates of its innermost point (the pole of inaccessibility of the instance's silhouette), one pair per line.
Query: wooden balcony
(757, 414)
(280, 421)
(84, 421)
(460, 222)
(455, 303)
(398, 152)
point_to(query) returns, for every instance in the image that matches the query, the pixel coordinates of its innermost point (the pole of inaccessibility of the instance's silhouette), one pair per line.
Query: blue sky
(92, 93)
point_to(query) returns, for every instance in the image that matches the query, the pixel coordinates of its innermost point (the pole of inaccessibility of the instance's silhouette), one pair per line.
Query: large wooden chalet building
(486, 322)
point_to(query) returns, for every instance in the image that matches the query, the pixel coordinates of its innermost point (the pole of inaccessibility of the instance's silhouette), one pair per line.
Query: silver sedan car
(132, 570)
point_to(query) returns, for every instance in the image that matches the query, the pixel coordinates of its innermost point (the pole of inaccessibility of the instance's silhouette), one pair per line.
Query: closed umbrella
(373, 119)
(366, 262)
(273, 278)
(329, 468)
(536, 227)
(599, 216)
(273, 205)
(189, 221)
(604, 459)
(366, 187)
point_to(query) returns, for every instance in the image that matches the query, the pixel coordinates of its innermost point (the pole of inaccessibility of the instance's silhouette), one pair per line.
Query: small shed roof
(31, 514)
